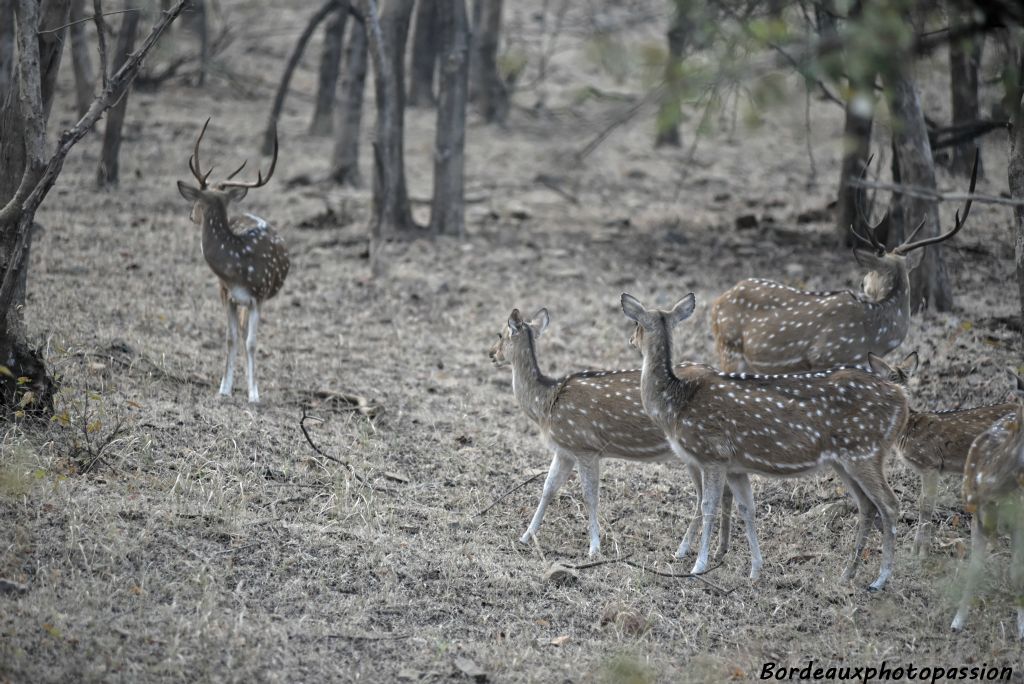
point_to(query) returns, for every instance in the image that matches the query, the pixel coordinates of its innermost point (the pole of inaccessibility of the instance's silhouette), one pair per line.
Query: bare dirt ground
(211, 543)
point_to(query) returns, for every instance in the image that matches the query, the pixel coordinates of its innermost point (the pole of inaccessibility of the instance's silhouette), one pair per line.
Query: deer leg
(739, 483)
(558, 473)
(974, 571)
(865, 511)
(925, 511)
(250, 352)
(691, 529)
(878, 491)
(725, 529)
(714, 482)
(228, 380)
(590, 469)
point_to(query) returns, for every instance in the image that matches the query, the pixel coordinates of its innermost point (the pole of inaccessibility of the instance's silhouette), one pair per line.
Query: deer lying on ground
(994, 493)
(734, 424)
(249, 259)
(583, 418)
(767, 327)
(936, 442)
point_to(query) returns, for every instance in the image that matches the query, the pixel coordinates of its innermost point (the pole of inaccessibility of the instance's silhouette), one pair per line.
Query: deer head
(897, 374)
(518, 336)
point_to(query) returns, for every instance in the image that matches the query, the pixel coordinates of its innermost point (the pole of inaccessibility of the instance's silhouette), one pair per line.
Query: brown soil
(210, 542)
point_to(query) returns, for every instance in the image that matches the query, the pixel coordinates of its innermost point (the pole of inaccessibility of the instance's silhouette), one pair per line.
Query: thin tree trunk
(53, 14)
(108, 172)
(289, 69)
(929, 282)
(345, 162)
(856, 143)
(1014, 100)
(330, 66)
(447, 213)
(6, 49)
(386, 38)
(80, 58)
(474, 48)
(491, 91)
(964, 62)
(425, 51)
(669, 112)
(198, 18)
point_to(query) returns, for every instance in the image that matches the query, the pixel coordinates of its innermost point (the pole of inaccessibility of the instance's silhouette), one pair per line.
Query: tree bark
(6, 48)
(929, 282)
(425, 51)
(289, 70)
(345, 162)
(856, 143)
(492, 95)
(330, 66)
(197, 17)
(447, 214)
(386, 37)
(1014, 99)
(474, 47)
(669, 112)
(80, 58)
(108, 172)
(964, 62)
(53, 14)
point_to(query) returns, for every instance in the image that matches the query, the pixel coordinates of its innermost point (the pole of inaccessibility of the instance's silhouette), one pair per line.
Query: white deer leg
(561, 469)
(880, 494)
(865, 515)
(228, 379)
(739, 483)
(974, 571)
(925, 511)
(714, 483)
(590, 479)
(694, 526)
(250, 352)
(725, 529)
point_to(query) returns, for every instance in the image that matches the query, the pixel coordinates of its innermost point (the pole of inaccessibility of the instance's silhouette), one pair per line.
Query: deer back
(995, 464)
(941, 440)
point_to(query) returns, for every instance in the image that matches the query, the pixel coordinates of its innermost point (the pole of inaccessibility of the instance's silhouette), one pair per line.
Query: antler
(193, 161)
(907, 245)
(871, 240)
(260, 180)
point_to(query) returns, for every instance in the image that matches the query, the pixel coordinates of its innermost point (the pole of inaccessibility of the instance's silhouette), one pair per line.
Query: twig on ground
(362, 480)
(700, 577)
(365, 637)
(594, 564)
(514, 489)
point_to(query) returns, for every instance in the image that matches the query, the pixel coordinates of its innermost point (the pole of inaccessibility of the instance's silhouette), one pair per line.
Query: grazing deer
(733, 424)
(583, 418)
(935, 442)
(994, 493)
(249, 259)
(767, 327)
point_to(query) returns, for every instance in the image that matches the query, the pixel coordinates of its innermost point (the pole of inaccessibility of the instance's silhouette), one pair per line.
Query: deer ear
(540, 322)
(1018, 383)
(515, 322)
(878, 366)
(682, 310)
(632, 307)
(236, 194)
(910, 363)
(914, 258)
(188, 192)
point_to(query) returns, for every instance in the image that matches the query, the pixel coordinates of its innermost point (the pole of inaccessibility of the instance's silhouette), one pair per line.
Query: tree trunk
(386, 37)
(53, 14)
(80, 58)
(447, 214)
(6, 49)
(425, 52)
(330, 66)
(108, 173)
(1014, 99)
(669, 111)
(289, 69)
(929, 282)
(474, 47)
(198, 20)
(964, 62)
(856, 143)
(491, 92)
(345, 162)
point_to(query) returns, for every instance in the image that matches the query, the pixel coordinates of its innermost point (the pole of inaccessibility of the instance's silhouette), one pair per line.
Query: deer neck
(892, 313)
(663, 394)
(218, 241)
(534, 391)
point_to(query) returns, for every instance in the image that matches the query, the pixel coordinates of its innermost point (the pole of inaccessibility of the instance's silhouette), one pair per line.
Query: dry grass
(210, 542)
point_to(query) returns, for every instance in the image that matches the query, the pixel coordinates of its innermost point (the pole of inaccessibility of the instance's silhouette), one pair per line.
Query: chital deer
(583, 418)
(936, 442)
(733, 424)
(249, 259)
(767, 327)
(994, 493)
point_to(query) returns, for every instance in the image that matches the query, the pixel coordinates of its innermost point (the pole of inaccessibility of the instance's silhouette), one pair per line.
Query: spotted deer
(733, 424)
(583, 418)
(767, 327)
(935, 442)
(994, 493)
(248, 257)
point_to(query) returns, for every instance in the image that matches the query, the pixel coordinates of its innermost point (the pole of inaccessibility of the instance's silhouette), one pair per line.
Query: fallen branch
(359, 478)
(514, 489)
(594, 564)
(697, 576)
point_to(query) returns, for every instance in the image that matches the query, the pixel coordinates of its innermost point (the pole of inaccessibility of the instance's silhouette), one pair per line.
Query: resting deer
(935, 442)
(767, 327)
(994, 493)
(734, 424)
(583, 418)
(249, 259)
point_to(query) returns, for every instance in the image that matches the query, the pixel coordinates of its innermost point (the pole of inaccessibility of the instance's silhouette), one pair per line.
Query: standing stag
(583, 418)
(249, 259)
(733, 424)
(936, 442)
(994, 493)
(767, 327)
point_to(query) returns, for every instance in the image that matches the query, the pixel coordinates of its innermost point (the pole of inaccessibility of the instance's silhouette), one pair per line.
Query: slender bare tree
(330, 67)
(964, 62)
(85, 82)
(108, 171)
(345, 159)
(447, 214)
(491, 92)
(426, 49)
